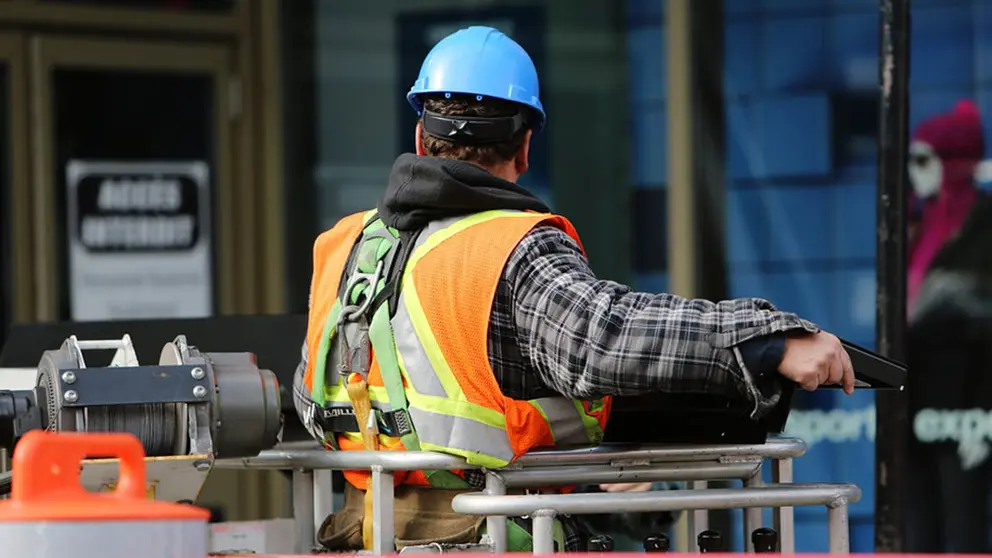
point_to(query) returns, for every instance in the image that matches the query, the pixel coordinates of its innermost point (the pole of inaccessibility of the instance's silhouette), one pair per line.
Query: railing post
(752, 516)
(303, 515)
(383, 528)
(839, 529)
(496, 524)
(784, 518)
(544, 531)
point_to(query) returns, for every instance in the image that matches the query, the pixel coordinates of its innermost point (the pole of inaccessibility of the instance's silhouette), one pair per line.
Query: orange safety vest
(430, 352)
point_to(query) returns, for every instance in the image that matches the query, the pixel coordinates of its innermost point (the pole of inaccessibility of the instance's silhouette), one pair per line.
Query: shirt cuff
(759, 358)
(762, 355)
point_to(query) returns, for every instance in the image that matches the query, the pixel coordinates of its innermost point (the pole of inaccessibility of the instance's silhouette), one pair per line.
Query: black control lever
(872, 370)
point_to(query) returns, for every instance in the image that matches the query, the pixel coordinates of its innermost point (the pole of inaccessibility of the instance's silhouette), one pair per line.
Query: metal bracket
(134, 385)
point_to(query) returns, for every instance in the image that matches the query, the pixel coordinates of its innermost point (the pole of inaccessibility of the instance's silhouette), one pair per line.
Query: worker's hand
(816, 360)
(626, 487)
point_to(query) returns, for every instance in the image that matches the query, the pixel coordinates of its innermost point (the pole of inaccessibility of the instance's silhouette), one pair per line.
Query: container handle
(47, 465)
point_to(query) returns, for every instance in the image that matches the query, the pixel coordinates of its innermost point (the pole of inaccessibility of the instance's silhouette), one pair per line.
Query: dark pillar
(893, 137)
(300, 154)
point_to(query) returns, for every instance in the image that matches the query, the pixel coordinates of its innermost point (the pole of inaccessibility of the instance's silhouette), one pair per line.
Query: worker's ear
(522, 161)
(419, 139)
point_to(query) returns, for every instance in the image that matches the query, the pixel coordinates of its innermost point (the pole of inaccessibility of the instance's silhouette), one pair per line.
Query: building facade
(177, 158)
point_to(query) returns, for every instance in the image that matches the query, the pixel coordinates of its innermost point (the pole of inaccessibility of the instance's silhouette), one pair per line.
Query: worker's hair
(467, 105)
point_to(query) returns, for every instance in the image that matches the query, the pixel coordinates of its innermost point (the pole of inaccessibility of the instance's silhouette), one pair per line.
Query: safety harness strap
(390, 423)
(330, 329)
(384, 345)
(386, 251)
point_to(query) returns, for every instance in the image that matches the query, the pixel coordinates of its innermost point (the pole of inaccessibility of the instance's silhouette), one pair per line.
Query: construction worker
(461, 316)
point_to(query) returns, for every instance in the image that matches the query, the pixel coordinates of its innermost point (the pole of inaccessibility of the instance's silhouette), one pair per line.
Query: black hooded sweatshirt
(425, 189)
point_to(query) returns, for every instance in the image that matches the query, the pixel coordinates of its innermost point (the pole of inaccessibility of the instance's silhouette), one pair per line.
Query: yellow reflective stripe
(460, 409)
(594, 432)
(478, 459)
(414, 308)
(458, 226)
(367, 216)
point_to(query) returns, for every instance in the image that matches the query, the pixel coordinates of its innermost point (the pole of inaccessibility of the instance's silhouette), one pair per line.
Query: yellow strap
(367, 520)
(358, 392)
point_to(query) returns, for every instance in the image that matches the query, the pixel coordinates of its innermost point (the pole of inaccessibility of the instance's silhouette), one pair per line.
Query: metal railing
(312, 498)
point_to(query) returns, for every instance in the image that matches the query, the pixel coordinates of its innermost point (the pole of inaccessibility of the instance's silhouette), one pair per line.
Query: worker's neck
(506, 171)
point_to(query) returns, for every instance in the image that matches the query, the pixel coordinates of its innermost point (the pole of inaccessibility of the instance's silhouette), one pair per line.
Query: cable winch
(190, 403)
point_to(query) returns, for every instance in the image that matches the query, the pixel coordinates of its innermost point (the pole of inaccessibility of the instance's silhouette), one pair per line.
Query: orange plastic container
(51, 515)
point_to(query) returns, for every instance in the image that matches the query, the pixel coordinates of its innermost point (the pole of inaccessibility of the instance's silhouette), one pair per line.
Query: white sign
(970, 428)
(139, 240)
(836, 425)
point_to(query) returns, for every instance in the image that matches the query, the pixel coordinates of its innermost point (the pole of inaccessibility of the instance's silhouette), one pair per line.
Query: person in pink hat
(944, 154)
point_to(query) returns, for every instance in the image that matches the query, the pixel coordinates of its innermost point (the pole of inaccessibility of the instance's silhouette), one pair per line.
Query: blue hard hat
(479, 61)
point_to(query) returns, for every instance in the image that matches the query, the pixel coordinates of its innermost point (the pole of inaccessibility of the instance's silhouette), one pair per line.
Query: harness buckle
(356, 353)
(353, 311)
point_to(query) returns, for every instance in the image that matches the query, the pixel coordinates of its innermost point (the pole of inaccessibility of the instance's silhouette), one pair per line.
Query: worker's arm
(588, 337)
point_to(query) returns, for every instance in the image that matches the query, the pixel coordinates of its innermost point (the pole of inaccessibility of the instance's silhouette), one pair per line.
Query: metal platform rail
(543, 508)
(312, 494)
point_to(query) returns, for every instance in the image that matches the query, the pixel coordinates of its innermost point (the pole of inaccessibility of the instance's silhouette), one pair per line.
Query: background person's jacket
(949, 394)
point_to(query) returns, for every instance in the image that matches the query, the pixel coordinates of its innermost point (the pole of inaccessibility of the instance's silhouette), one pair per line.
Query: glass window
(646, 80)
(800, 84)
(350, 64)
(125, 116)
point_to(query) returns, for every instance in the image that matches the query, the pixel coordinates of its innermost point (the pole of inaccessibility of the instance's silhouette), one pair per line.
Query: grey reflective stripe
(564, 419)
(461, 434)
(415, 361)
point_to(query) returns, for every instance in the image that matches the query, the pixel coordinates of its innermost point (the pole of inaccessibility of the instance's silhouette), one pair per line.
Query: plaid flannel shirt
(555, 328)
